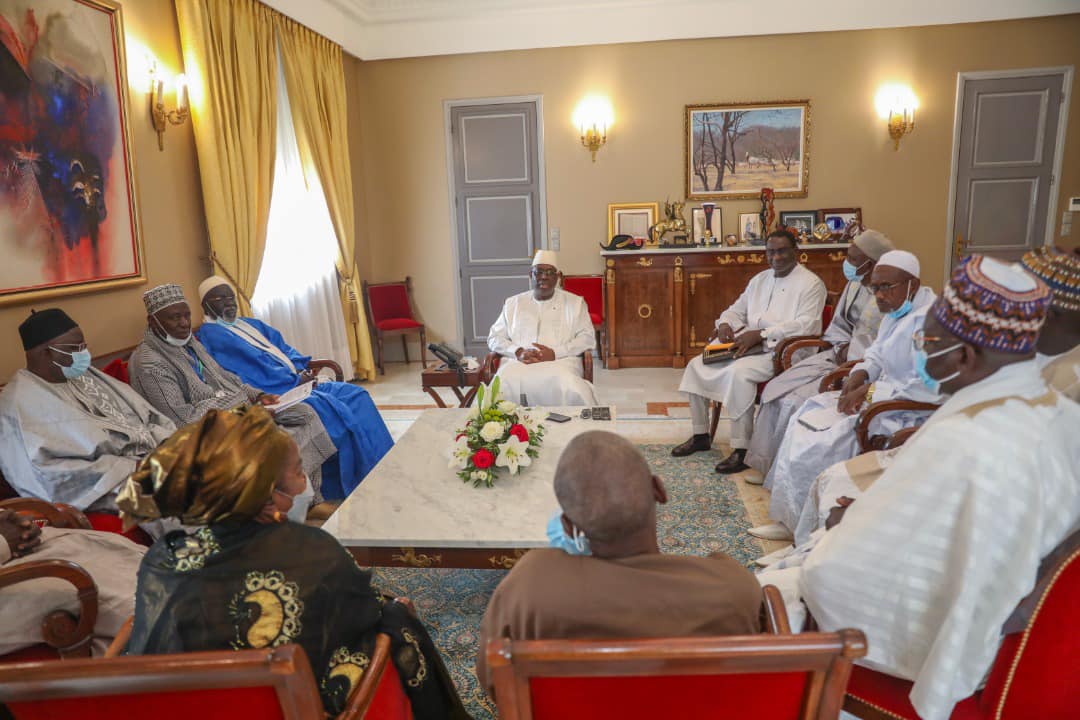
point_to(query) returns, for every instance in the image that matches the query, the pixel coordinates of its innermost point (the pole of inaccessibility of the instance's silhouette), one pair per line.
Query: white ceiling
(379, 29)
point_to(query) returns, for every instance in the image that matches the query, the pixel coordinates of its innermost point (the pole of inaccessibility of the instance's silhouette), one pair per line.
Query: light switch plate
(555, 237)
(1074, 204)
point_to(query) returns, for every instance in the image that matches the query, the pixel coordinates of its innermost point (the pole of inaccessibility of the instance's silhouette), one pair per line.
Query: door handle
(960, 246)
(644, 311)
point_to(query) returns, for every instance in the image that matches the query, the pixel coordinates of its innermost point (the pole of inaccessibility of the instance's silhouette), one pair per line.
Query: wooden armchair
(591, 289)
(755, 676)
(316, 366)
(493, 360)
(389, 311)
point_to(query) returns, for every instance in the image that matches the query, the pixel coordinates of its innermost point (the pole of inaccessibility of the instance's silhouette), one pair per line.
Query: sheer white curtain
(297, 291)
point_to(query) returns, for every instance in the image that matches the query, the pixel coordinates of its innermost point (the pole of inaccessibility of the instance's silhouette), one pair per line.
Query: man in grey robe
(178, 376)
(68, 432)
(853, 328)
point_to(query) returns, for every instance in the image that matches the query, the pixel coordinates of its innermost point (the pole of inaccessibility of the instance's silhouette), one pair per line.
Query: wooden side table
(440, 376)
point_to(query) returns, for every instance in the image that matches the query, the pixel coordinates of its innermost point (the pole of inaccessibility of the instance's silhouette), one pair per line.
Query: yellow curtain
(231, 62)
(316, 81)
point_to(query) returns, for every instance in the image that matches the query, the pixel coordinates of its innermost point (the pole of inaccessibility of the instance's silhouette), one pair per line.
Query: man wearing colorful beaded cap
(68, 432)
(933, 558)
(1059, 342)
(176, 374)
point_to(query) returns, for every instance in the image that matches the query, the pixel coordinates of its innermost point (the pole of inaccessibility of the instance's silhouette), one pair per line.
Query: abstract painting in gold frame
(733, 150)
(69, 212)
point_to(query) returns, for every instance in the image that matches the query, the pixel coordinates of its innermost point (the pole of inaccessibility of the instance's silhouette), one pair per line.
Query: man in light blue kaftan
(261, 357)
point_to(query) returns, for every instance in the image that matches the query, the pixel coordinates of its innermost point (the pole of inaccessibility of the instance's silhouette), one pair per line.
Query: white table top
(413, 499)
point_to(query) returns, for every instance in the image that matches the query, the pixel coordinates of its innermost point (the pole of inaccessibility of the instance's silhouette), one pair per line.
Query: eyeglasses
(883, 287)
(544, 273)
(919, 339)
(69, 348)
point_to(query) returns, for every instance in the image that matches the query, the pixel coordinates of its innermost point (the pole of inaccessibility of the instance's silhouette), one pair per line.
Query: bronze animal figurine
(673, 222)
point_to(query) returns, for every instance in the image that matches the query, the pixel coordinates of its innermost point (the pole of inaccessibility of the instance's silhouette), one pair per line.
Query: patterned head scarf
(161, 297)
(1060, 271)
(993, 305)
(222, 467)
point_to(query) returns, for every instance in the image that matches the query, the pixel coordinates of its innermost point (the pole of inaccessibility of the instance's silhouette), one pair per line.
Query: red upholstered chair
(765, 677)
(389, 312)
(105, 522)
(220, 685)
(1034, 673)
(591, 288)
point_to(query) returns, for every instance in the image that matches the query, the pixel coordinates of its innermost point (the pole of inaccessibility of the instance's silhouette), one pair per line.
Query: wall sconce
(158, 114)
(897, 104)
(593, 118)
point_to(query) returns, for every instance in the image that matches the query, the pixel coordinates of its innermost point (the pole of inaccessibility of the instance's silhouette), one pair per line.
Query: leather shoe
(698, 443)
(772, 531)
(733, 463)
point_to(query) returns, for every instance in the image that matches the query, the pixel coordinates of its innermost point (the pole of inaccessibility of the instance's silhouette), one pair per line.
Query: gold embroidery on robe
(278, 611)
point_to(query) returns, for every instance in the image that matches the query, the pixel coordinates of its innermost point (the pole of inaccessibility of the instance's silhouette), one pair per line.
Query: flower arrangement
(498, 434)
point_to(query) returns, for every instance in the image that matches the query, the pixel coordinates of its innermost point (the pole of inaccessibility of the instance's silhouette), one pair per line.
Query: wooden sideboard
(662, 304)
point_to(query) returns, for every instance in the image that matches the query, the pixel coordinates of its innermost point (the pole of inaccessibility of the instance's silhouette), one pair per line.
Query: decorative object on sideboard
(731, 150)
(768, 212)
(800, 222)
(838, 219)
(623, 242)
(731, 240)
(673, 222)
(704, 222)
(750, 229)
(69, 206)
(593, 117)
(822, 233)
(633, 219)
(710, 210)
(896, 104)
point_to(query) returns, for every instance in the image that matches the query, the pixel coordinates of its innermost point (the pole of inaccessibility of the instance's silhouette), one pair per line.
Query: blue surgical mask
(223, 321)
(80, 363)
(851, 272)
(921, 358)
(903, 309)
(557, 537)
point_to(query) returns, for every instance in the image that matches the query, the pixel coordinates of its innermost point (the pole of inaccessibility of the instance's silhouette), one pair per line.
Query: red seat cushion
(592, 290)
(118, 369)
(112, 523)
(389, 302)
(397, 324)
(891, 694)
(703, 697)
(826, 316)
(218, 704)
(390, 701)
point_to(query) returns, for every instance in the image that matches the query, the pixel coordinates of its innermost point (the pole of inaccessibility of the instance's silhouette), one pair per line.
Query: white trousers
(742, 427)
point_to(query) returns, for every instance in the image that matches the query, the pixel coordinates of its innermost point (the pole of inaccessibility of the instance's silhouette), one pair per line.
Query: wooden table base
(476, 559)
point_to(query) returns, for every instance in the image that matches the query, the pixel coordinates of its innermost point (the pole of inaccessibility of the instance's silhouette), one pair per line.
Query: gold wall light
(159, 116)
(593, 117)
(897, 104)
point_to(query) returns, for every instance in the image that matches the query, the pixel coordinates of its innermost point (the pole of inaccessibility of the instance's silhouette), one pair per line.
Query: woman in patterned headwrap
(250, 579)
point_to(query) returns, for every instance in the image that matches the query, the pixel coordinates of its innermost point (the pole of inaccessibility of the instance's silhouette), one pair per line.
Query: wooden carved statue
(673, 221)
(768, 213)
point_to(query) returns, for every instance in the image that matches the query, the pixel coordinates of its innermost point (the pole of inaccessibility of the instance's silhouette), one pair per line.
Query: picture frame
(633, 219)
(760, 144)
(698, 223)
(838, 218)
(801, 220)
(74, 227)
(749, 229)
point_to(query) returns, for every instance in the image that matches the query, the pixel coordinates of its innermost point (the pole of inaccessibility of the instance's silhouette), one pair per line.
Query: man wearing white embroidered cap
(540, 335)
(822, 432)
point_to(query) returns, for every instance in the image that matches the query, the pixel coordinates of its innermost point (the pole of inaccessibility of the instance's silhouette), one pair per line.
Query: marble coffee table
(413, 511)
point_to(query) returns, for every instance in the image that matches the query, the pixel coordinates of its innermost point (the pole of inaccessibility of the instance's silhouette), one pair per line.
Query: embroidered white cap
(900, 259)
(546, 257)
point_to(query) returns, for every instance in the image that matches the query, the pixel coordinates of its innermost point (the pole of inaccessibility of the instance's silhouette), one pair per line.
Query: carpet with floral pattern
(704, 514)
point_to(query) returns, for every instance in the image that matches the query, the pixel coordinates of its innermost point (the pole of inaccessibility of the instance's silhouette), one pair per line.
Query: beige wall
(400, 160)
(174, 230)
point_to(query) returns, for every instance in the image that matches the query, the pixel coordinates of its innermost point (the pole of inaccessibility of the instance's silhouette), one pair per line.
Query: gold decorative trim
(644, 311)
(409, 557)
(727, 259)
(644, 262)
(752, 259)
(837, 256)
(610, 262)
(506, 562)
(611, 276)
(678, 274)
(803, 258)
(678, 260)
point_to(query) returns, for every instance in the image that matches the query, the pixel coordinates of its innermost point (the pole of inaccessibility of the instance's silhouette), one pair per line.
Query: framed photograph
(732, 150)
(69, 219)
(838, 218)
(633, 219)
(800, 220)
(698, 215)
(749, 228)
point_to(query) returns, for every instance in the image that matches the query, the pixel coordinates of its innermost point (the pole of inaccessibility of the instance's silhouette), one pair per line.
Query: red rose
(520, 432)
(483, 458)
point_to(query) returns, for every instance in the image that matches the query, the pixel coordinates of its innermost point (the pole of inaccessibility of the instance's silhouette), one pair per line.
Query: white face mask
(302, 502)
(175, 342)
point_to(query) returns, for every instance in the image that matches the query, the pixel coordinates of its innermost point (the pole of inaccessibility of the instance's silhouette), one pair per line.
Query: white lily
(506, 407)
(530, 421)
(492, 431)
(512, 455)
(459, 454)
(474, 412)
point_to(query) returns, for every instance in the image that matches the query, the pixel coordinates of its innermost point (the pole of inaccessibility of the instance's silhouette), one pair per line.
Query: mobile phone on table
(601, 413)
(556, 417)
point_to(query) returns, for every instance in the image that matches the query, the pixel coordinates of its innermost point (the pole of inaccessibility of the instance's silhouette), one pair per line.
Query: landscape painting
(68, 212)
(734, 150)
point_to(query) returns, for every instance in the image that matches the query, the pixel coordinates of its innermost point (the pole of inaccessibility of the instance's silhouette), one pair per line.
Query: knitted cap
(1060, 271)
(162, 296)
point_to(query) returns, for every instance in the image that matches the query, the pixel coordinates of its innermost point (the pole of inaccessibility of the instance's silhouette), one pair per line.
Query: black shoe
(733, 463)
(698, 443)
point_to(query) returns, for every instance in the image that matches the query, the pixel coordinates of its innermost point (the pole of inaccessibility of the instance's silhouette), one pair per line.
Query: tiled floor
(648, 398)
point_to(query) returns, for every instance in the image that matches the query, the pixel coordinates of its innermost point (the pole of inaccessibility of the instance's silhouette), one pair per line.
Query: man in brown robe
(626, 587)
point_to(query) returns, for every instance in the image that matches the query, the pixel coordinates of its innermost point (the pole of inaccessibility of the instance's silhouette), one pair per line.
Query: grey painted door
(496, 207)
(1008, 137)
